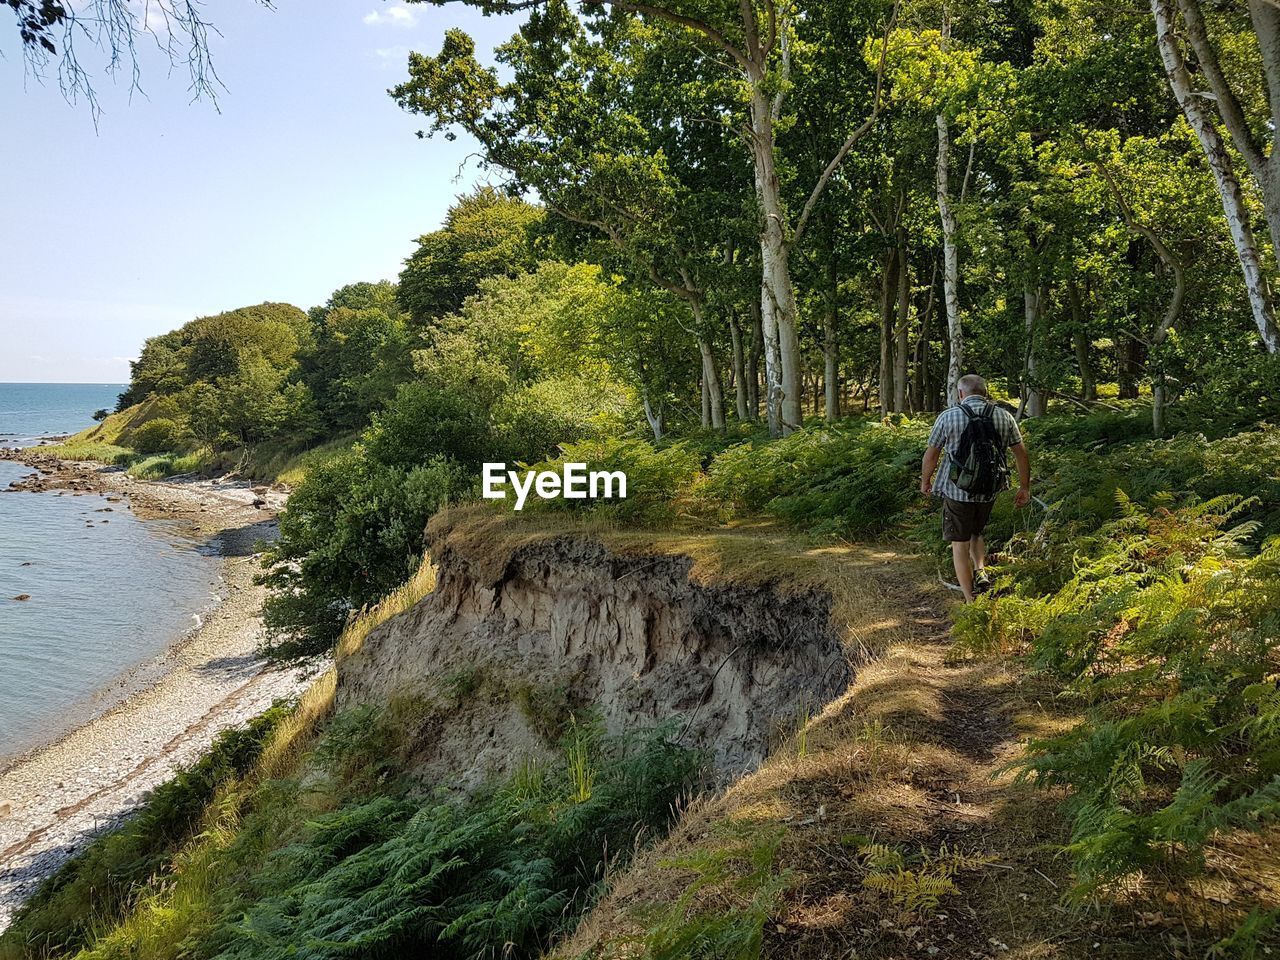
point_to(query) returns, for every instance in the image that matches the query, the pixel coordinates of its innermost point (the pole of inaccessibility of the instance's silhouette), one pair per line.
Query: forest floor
(165, 713)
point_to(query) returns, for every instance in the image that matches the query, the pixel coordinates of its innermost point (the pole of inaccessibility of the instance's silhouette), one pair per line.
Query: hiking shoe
(981, 582)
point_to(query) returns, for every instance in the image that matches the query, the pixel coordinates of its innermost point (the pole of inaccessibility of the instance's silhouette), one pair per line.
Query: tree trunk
(950, 263)
(1080, 340)
(1172, 313)
(888, 284)
(1158, 400)
(654, 417)
(1033, 396)
(713, 395)
(831, 341)
(922, 398)
(777, 301)
(739, 370)
(754, 357)
(1128, 367)
(706, 402)
(1215, 152)
(904, 312)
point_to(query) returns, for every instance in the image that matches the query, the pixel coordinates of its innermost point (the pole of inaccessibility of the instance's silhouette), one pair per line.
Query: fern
(1168, 631)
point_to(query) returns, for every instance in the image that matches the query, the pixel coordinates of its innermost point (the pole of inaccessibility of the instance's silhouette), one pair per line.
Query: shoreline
(158, 715)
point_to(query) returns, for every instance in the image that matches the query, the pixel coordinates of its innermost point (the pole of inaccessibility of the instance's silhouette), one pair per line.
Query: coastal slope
(164, 714)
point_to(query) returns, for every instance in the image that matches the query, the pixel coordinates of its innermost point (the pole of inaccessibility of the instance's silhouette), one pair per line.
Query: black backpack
(979, 466)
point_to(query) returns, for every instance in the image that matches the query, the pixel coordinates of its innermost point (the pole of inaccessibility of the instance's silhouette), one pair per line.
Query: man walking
(976, 435)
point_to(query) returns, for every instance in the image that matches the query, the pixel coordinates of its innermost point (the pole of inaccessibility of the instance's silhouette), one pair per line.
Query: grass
(397, 602)
(108, 443)
(89, 890)
(897, 833)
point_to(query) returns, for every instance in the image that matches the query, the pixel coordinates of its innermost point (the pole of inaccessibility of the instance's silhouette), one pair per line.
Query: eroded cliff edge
(517, 636)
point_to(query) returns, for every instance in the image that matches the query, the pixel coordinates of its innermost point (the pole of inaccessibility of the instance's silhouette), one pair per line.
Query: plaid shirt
(946, 436)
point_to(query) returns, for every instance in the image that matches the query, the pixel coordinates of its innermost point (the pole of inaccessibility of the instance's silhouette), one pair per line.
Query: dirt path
(169, 710)
(904, 834)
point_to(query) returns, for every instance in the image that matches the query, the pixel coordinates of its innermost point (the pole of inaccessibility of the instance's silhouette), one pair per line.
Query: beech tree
(605, 127)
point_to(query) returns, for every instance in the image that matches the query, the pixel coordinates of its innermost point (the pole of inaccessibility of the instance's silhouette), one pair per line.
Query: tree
(360, 353)
(485, 234)
(755, 45)
(1261, 37)
(597, 125)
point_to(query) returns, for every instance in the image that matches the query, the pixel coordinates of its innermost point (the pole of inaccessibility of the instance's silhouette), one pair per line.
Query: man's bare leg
(963, 560)
(978, 553)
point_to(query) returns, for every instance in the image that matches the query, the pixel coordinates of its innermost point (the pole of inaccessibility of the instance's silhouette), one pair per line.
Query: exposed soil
(564, 623)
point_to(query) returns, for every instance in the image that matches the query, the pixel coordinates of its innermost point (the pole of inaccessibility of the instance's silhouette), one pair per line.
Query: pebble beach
(162, 714)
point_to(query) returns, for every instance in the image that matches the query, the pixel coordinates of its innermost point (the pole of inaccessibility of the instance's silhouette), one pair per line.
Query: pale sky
(310, 177)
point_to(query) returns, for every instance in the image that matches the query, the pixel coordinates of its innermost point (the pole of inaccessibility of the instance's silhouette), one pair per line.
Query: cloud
(396, 15)
(391, 56)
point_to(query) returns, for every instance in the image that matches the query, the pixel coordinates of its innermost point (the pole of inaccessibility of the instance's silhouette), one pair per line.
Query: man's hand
(1022, 497)
(927, 468)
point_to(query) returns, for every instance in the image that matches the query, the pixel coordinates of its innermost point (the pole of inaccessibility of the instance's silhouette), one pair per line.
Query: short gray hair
(971, 384)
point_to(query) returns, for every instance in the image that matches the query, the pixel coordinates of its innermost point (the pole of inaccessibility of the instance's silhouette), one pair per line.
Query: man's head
(971, 385)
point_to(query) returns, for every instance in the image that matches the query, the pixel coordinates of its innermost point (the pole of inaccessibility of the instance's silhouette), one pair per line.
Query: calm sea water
(29, 411)
(107, 590)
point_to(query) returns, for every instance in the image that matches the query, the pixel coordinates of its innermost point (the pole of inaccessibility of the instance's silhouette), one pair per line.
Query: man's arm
(929, 465)
(1023, 459)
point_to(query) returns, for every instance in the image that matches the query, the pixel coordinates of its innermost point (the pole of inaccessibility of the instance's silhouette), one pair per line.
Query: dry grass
(399, 600)
(905, 760)
(909, 761)
(914, 759)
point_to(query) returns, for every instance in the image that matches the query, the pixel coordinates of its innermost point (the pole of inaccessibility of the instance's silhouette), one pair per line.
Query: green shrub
(360, 864)
(851, 478)
(740, 871)
(1168, 630)
(157, 436)
(664, 484)
(352, 532)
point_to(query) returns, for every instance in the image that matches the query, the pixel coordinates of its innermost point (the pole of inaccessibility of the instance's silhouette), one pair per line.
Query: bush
(663, 484)
(424, 421)
(500, 874)
(352, 532)
(534, 420)
(851, 478)
(361, 863)
(157, 436)
(1167, 629)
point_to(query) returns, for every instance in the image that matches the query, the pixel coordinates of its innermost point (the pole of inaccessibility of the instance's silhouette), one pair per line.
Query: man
(966, 502)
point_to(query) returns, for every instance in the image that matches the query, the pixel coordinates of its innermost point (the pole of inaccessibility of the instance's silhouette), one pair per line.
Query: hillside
(872, 813)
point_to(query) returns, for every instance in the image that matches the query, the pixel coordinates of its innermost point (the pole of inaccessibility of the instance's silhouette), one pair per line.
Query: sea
(105, 591)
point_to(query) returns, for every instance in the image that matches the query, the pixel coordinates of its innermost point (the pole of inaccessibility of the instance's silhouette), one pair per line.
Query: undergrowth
(97, 884)
(1151, 589)
(346, 858)
(734, 886)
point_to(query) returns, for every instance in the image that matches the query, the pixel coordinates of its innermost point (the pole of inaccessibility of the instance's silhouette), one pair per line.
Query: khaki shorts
(964, 519)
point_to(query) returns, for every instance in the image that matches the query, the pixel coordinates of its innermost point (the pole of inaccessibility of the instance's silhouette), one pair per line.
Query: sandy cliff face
(499, 650)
